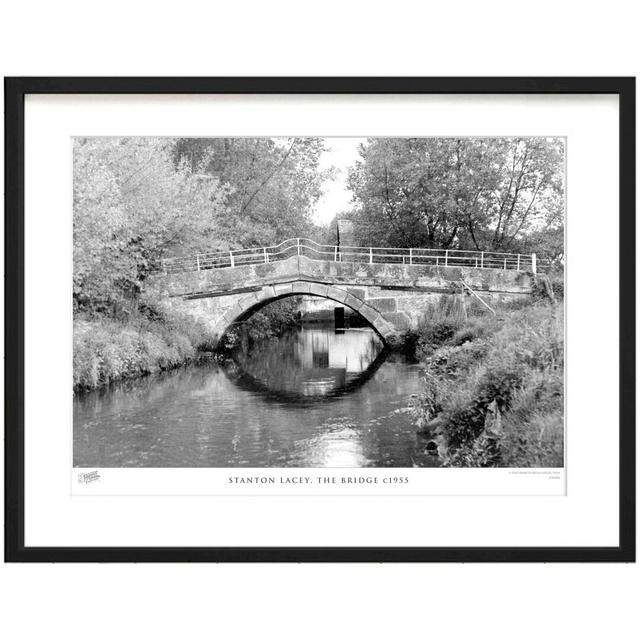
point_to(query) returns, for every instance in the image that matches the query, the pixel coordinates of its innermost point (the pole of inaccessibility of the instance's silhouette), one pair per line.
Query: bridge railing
(371, 255)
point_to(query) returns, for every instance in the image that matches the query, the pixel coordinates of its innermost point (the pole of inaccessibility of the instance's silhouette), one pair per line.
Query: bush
(439, 324)
(512, 364)
(268, 323)
(549, 286)
(472, 331)
(557, 285)
(106, 349)
(534, 427)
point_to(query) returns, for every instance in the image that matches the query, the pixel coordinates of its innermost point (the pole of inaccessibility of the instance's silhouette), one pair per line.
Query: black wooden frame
(15, 91)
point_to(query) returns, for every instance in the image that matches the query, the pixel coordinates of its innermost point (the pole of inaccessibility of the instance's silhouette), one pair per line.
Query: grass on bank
(106, 349)
(493, 384)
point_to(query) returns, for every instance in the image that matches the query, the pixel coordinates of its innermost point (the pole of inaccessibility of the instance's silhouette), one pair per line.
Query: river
(313, 398)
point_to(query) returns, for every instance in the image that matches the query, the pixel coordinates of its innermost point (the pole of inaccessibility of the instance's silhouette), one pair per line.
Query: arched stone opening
(252, 302)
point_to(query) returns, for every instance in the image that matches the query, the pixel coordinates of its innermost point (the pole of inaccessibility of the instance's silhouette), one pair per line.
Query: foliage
(492, 194)
(105, 349)
(513, 364)
(137, 200)
(131, 207)
(274, 182)
(266, 324)
(440, 323)
(557, 284)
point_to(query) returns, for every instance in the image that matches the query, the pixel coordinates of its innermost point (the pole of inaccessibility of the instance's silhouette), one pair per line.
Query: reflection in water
(309, 364)
(313, 398)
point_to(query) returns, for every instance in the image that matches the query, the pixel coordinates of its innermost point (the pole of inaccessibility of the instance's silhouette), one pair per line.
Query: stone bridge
(391, 296)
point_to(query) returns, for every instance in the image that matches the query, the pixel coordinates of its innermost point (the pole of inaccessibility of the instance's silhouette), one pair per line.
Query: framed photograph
(320, 319)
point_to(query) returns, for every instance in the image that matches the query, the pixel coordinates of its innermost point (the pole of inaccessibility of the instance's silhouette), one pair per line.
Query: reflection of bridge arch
(252, 302)
(249, 382)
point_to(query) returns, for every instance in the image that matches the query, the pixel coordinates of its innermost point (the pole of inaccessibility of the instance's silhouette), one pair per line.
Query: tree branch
(264, 182)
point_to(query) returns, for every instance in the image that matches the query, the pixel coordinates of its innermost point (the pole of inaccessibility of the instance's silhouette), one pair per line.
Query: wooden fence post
(534, 264)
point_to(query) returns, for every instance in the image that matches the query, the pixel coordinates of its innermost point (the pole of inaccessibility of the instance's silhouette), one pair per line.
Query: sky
(341, 153)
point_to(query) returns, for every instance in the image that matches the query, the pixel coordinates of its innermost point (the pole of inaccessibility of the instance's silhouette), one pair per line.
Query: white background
(489, 38)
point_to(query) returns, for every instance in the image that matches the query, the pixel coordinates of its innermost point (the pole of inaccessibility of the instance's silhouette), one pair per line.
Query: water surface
(313, 398)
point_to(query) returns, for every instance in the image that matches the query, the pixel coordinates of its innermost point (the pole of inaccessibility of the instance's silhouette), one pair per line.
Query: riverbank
(106, 349)
(493, 390)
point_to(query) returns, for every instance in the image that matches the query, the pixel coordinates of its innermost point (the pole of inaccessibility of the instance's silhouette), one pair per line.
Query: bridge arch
(249, 303)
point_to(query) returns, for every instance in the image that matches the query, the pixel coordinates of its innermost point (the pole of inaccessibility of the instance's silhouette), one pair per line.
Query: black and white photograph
(320, 319)
(332, 302)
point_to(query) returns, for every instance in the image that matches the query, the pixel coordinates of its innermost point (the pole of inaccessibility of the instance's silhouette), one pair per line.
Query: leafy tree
(131, 206)
(274, 184)
(528, 194)
(486, 194)
(137, 200)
